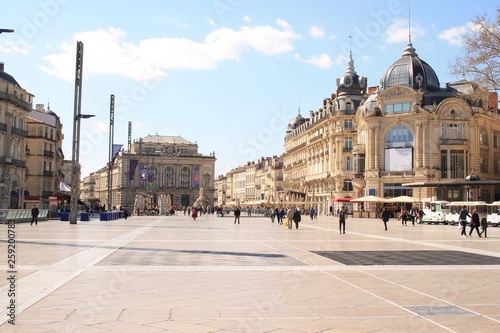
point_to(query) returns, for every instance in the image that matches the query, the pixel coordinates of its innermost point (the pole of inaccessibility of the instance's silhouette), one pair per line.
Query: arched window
(400, 136)
(152, 175)
(347, 185)
(399, 149)
(169, 177)
(185, 177)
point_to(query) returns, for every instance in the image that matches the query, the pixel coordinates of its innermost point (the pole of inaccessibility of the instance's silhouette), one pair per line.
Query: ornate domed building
(371, 141)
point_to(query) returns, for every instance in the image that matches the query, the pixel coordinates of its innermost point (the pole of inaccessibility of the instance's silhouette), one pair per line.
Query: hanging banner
(115, 150)
(196, 177)
(132, 167)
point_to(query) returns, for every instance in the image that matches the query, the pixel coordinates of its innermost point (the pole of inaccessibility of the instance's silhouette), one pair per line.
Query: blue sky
(227, 74)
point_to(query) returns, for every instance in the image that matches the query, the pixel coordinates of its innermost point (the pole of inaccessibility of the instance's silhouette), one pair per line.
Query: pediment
(397, 91)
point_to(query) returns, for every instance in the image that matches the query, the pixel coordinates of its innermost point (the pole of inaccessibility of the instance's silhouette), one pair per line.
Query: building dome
(296, 122)
(351, 83)
(410, 71)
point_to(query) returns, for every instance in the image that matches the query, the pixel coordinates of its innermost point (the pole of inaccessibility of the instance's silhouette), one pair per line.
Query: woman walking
(484, 226)
(474, 223)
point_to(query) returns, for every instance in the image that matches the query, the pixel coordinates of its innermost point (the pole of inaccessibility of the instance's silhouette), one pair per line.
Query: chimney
(40, 107)
(1, 66)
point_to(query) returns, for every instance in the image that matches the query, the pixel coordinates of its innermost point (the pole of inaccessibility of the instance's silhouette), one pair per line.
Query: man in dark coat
(34, 215)
(385, 217)
(342, 217)
(296, 218)
(237, 213)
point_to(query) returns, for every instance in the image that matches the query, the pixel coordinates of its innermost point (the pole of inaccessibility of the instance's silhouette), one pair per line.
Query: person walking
(484, 226)
(272, 214)
(462, 217)
(342, 217)
(312, 211)
(386, 214)
(403, 216)
(194, 215)
(125, 213)
(474, 223)
(281, 215)
(289, 216)
(420, 215)
(237, 213)
(413, 215)
(34, 214)
(296, 218)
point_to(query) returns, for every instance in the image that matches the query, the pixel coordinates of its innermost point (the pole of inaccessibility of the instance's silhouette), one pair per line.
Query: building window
(397, 107)
(348, 163)
(348, 107)
(483, 137)
(359, 164)
(185, 177)
(347, 144)
(347, 185)
(399, 136)
(484, 164)
(348, 123)
(495, 140)
(453, 163)
(399, 149)
(453, 131)
(152, 172)
(392, 190)
(169, 177)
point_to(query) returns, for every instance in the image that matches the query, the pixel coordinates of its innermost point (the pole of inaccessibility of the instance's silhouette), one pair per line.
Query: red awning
(341, 199)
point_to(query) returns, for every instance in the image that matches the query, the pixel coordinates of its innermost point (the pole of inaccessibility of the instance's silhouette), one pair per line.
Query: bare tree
(480, 61)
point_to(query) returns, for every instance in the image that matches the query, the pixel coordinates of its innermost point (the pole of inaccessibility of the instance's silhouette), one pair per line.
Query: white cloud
(316, 32)
(247, 19)
(366, 58)
(107, 52)
(341, 60)
(97, 126)
(210, 21)
(322, 61)
(454, 35)
(13, 45)
(398, 31)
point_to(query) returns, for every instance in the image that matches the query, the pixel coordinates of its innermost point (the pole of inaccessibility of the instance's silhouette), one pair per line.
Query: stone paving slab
(173, 274)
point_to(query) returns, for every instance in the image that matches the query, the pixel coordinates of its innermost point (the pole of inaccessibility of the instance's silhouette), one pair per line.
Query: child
(484, 226)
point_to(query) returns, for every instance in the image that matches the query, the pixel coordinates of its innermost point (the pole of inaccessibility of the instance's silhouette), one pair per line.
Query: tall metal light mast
(111, 138)
(75, 160)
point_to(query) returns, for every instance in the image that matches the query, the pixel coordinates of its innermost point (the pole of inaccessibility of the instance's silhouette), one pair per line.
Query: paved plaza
(172, 274)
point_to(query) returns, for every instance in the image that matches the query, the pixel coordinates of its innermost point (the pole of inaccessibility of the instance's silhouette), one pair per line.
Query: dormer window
(397, 107)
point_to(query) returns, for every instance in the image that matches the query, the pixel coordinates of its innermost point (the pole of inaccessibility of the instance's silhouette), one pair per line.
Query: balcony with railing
(15, 100)
(48, 153)
(48, 173)
(19, 131)
(453, 142)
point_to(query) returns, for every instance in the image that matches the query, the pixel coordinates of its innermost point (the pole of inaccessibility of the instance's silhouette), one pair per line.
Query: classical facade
(15, 104)
(157, 165)
(253, 184)
(408, 129)
(44, 156)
